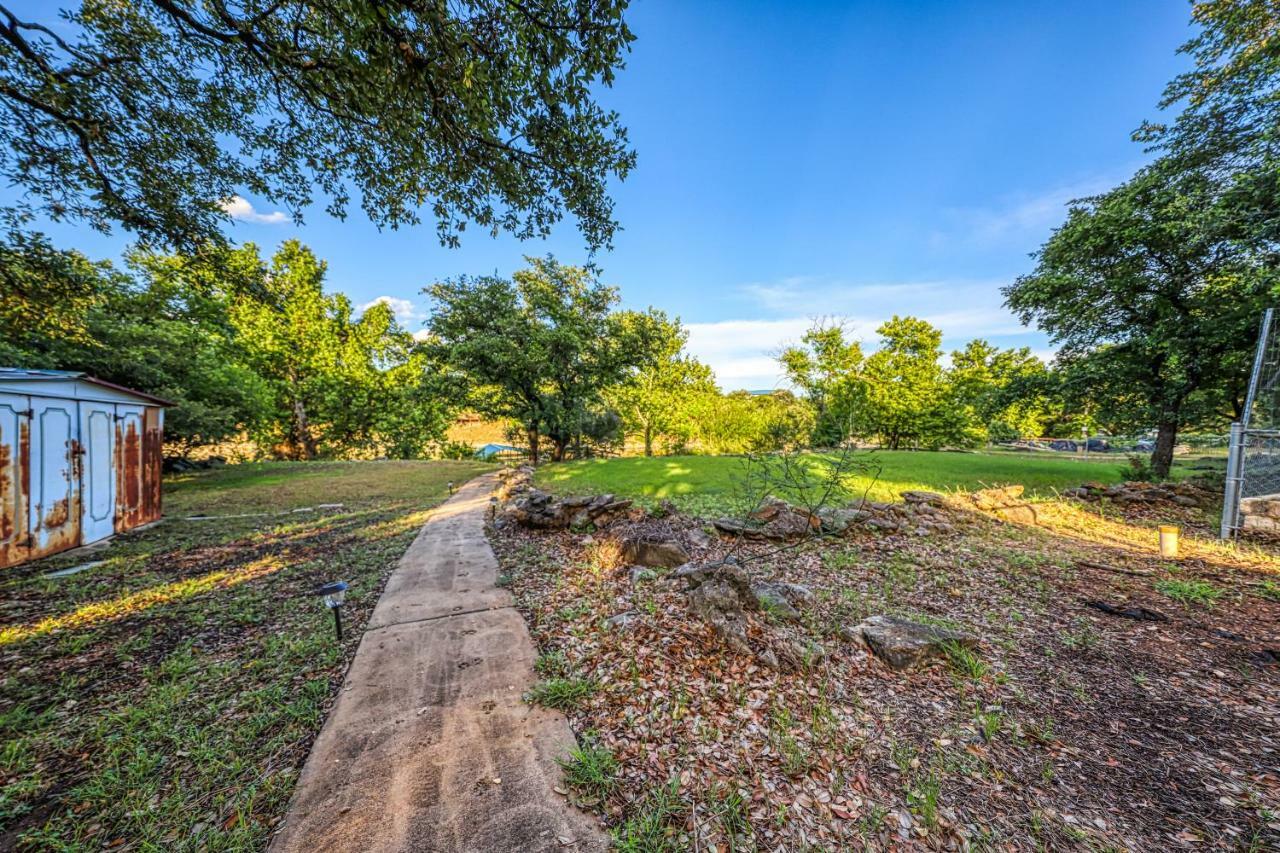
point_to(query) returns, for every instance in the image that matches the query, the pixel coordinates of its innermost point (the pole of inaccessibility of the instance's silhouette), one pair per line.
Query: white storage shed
(80, 460)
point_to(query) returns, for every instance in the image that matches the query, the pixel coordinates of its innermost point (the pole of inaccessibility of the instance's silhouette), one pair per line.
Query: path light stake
(1169, 541)
(333, 594)
(451, 487)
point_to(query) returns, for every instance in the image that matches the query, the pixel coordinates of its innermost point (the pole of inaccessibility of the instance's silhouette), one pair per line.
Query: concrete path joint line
(429, 746)
(441, 616)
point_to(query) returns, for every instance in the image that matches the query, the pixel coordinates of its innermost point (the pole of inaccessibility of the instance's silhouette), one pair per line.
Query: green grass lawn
(167, 698)
(710, 483)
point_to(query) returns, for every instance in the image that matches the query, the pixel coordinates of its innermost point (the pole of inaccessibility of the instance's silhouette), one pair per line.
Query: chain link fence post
(1234, 479)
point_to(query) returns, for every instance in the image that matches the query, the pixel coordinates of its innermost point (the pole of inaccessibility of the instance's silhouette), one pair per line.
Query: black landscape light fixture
(451, 487)
(334, 594)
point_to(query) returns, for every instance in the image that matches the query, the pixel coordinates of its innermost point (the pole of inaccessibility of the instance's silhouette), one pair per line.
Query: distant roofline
(23, 374)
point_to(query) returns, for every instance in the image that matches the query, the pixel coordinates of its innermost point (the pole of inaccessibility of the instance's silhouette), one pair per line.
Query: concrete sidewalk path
(429, 746)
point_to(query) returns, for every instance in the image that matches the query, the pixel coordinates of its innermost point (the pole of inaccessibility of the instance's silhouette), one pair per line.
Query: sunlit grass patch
(707, 483)
(654, 823)
(128, 605)
(965, 661)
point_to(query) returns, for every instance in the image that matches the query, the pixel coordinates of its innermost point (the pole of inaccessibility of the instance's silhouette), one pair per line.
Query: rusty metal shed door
(15, 481)
(130, 466)
(54, 505)
(98, 482)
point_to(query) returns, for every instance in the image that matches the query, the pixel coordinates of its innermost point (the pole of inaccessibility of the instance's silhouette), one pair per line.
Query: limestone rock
(639, 574)
(660, 553)
(838, 519)
(621, 621)
(915, 496)
(700, 539)
(901, 643)
(773, 600)
(717, 601)
(540, 510)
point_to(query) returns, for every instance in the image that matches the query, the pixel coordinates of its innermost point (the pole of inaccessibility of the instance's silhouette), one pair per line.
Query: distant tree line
(254, 347)
(241, 345)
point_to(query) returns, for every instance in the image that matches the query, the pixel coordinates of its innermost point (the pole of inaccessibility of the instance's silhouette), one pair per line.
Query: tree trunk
(558, 448)
(648, 440)
(533, 445)
(1162, 456)
(302, 437)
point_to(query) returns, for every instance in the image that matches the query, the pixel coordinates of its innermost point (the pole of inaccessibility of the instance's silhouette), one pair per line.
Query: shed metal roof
(24, 374)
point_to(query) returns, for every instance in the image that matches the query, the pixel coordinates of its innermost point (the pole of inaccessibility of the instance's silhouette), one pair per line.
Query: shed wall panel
(15, 479)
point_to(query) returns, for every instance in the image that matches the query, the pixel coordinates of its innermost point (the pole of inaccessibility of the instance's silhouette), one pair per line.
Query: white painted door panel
(98, 481)
(54, 505)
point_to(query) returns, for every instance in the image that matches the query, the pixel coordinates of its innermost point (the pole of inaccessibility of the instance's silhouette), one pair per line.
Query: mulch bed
(1079, 727)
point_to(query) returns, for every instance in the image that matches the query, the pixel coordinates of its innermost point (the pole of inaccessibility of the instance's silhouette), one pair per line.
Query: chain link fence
(1253, 454)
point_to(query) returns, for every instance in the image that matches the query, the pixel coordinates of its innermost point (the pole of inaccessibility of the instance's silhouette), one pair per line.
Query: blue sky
(820, 159)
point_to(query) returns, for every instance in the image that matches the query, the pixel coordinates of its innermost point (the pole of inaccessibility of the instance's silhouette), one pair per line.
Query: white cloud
(958, 307)
(1023, 218)
(406, 312)
(421, 335)
(240, 209)
(741, 351)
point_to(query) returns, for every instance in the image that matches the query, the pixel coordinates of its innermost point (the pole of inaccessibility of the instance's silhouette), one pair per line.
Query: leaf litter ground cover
(167, 696)
(1069, 727)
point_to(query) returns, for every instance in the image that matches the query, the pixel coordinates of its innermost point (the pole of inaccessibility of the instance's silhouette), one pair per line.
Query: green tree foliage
(656, 398)
(540, 349)
(1226, 124)
(151, 114)
(826, 368)
(338, 385)
(742, 422)
(154, 327)
(45, 294)
(1149, 287)
(1004, 393)
(906, 399)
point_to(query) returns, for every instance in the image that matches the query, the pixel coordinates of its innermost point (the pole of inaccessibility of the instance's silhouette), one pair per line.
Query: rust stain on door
(59, 527)
(152, 463)
(138, 457)
(15, 486)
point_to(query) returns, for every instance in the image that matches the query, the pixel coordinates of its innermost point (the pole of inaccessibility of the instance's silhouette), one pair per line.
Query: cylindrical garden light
(333, 595)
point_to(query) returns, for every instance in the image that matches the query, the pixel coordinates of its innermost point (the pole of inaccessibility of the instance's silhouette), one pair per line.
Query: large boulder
(656, 553)
(902, 644)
